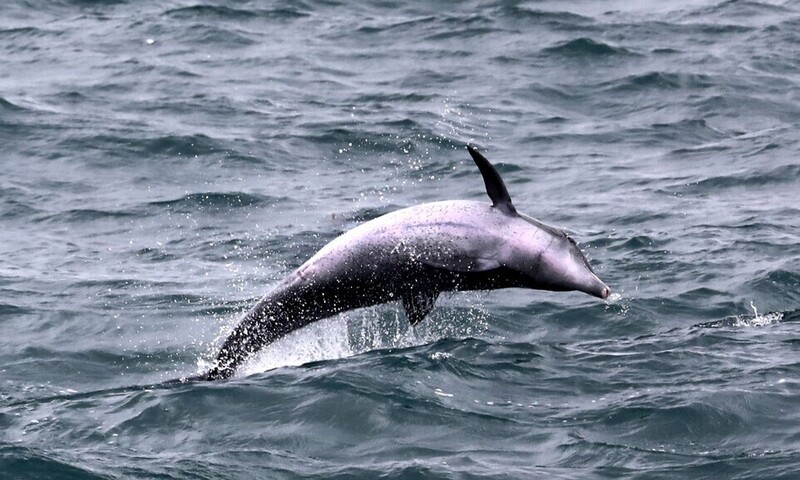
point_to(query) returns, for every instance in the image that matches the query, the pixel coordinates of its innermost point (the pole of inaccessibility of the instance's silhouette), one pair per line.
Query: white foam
(324, 340)
(758, 320)
(360, 331)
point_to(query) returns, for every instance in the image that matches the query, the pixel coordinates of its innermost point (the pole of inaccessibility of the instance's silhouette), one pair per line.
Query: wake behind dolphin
(412, 255)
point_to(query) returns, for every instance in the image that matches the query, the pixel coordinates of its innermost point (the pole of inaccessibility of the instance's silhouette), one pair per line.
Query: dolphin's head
(549, 259)
(546, 258)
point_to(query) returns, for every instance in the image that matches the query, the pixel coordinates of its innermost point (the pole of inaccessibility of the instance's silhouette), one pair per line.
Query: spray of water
(757, 320)
(364, 330)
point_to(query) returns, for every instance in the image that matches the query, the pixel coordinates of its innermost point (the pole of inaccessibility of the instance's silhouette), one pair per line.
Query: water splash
(323, 340)
(758, 320)
(618, 303)
(614, 298)
(360, 331)
(741, 321)
(457, 121)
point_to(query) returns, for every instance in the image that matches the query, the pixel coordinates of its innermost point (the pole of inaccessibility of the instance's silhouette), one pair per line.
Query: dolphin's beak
(598, 288)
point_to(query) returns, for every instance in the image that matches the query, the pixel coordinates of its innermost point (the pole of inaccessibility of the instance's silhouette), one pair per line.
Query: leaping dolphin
(413, 255)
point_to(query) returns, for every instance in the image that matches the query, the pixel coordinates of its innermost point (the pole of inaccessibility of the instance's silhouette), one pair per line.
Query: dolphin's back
(449, 234)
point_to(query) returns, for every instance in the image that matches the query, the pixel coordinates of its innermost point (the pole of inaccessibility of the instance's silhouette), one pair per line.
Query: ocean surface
(163, 164)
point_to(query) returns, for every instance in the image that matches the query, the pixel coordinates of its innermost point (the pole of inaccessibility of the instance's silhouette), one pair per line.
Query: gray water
(165, 163)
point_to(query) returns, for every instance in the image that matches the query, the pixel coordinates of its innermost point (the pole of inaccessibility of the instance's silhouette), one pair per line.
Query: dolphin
(412, 255)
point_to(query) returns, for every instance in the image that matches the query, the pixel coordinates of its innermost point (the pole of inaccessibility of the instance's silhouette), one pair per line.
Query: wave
(26, 462)
(216, 201)
(27, 40)
(12, 33)
(80, 215)
(14, 310)
(750, 178)
(15, 204)
(752, 320)
(218, 12)
(7, 106)
(460, 33)
(167, 145)
(395, 26)
(741, 10)
(639, 243)
(587, 47)
(659, 81)
(218, 36)
(559, 20)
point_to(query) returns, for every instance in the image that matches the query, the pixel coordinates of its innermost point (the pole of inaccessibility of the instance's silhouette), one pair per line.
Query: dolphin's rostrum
(412, 255)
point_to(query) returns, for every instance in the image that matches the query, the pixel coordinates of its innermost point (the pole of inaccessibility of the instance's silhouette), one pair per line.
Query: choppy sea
(163, 164)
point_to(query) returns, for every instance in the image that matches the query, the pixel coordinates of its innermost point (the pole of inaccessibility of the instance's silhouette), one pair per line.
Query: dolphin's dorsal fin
(495, 187)
(418, 304)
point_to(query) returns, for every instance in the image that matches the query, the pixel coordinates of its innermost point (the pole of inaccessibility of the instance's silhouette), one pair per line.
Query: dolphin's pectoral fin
(495, 187)
(418, 305)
